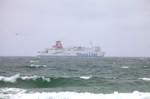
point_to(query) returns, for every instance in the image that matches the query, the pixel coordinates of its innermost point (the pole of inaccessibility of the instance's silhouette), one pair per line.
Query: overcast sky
(120, 27)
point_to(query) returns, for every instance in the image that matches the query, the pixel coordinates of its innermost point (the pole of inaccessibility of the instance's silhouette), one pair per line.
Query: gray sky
(120, 27)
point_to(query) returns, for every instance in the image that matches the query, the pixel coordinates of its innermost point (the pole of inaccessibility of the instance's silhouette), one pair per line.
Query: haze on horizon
(120, 27)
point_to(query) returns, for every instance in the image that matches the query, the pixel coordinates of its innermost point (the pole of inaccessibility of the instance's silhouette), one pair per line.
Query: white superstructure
(58, 50)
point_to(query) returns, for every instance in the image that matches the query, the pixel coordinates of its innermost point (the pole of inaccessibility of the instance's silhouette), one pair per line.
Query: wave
(34, 81)
(35, 66)
(42, 81)
(86, 77)
(34, 61)
(70, 95)
(12, 90)
(146, 79)
(14, 78)
(124, 67)
(11, 79)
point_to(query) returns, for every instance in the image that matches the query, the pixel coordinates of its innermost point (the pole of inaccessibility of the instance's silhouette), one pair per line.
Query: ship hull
(65, 56)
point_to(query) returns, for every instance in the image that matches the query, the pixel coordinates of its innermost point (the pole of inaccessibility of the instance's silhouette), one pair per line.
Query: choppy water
(74, 78)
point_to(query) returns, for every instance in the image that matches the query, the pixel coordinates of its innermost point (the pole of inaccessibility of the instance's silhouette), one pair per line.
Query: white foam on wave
(33, 61)
(124, 67)
(35, 78)
(29, 77)
(7, 93)
(12, 90)
(34, 65)
(75, 95)
(146, 79)
(13, 79)
(86, 77)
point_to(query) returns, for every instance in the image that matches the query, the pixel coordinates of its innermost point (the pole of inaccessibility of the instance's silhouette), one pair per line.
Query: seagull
(17, 33)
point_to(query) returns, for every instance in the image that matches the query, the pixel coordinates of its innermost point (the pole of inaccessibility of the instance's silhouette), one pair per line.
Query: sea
(74, 78)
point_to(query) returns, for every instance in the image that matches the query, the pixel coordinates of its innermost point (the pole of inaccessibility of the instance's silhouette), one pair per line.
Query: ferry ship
(78, 51)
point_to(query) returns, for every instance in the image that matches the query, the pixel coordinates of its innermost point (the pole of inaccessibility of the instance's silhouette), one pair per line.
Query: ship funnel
(58, 44)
